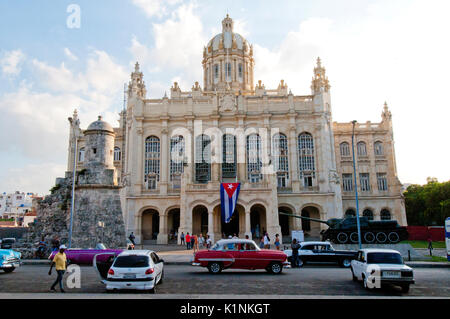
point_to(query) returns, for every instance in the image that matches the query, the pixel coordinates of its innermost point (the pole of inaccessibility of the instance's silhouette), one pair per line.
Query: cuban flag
(229, 193)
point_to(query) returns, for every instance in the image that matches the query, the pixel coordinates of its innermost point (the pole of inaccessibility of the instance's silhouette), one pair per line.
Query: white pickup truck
(376, 267)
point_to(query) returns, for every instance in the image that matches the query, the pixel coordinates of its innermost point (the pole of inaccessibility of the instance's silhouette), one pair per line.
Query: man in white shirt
(266, 241)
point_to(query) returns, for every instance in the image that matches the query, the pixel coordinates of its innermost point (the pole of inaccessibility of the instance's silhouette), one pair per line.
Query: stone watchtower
(98, 215)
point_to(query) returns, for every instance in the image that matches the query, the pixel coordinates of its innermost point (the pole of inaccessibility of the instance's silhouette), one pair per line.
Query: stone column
(211, 225)
(139, 180)
(163, 238)
(293, 165)
(248, 230)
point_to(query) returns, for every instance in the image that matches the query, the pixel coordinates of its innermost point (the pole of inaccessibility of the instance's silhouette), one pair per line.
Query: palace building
(171, 154)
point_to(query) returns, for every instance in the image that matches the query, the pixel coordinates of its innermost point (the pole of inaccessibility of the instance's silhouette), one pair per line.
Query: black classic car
(322, 252)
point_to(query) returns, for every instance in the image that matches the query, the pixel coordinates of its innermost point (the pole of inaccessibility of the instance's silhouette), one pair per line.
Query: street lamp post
(73, 185)
(356, 186)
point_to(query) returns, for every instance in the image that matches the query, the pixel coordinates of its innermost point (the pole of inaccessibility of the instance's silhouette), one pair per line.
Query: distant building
(16, 205)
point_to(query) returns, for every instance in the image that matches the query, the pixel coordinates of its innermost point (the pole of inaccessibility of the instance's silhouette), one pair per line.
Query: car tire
(8, 270)
(152, 291)
(354, 278)
(161, 278)
(405, 288)
(275, 268)
(345, 263)
(215, 267)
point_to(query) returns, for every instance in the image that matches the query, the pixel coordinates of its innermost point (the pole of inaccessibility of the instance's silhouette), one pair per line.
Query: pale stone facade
(171, 154)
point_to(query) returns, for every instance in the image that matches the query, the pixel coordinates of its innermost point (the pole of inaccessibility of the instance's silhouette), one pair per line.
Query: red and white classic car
(240, 254)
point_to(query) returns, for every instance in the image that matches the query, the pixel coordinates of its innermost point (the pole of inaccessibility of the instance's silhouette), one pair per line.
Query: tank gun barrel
(307, 218)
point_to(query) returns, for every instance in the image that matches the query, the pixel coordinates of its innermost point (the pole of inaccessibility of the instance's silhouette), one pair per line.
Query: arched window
(345, 149)
(385, 214)
(378, 146)
(350, 213)
(81, 153)
(280, 159)
(117, 154)
(228, 72)
(176, 159)
(254, 162)
(202, 159)
(240, 71)
(152, 155)
(368, 213)
(362, 150)
(216, 73)
(306, 159)
(228, 156)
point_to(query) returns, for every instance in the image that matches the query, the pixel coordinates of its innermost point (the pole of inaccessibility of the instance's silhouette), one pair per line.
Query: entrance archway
(173, 223)
(236, 225)
(150, 224)
(311, 228)
(258, 221)
(286, 223)
(199, 220)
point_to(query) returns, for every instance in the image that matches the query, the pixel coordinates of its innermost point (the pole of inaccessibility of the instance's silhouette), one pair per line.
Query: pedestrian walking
(201, 241)
(132, 238)
(188, 241)
(60, 262)
(277, 242)
(182, 238)
(430, 245)
(295, 247)
(266, 241)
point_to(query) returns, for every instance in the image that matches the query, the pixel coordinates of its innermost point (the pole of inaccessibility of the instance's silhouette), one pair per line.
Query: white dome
(228, 37)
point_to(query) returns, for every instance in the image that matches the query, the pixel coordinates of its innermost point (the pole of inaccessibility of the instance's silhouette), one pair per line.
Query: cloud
(156, 8)
(70, 55)
(10, 62)
(37, 178)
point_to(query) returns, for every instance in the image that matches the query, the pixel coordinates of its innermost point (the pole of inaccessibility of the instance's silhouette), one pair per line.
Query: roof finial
(99, 117)
(136, 67)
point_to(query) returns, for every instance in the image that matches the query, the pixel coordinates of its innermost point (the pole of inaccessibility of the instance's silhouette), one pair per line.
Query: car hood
(10, 253)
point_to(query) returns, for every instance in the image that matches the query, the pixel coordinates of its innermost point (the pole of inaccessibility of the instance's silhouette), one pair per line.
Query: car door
(306, 253)
(158, 264)
(249, 256)
(358, 265)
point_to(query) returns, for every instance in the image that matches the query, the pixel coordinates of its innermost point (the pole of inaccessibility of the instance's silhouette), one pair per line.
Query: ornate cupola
(136, 87)
(228, 61)
(320, 80)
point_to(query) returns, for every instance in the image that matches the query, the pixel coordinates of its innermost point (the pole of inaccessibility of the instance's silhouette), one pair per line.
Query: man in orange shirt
(188, 241)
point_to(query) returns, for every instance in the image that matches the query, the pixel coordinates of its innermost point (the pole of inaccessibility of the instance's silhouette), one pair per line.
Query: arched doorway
(236, 224)
(150, 224)
(286, 223)
(258, 221)
(311, 229)
(200, 220)
(173, 223)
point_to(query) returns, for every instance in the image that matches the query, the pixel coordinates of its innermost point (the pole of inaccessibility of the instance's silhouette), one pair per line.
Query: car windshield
(100, 246)
(384, 258)
(8, 241)
(132, 261)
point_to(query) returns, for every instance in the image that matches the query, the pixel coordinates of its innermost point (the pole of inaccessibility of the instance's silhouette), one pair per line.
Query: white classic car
(376, 267)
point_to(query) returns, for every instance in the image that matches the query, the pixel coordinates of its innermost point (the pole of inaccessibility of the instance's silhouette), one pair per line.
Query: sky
(51, 62)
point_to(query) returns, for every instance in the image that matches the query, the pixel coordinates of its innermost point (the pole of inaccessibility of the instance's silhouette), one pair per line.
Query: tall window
(152, 155)
(117, 154)
(254, 162)
(81, 155)
(306, 159)
(382, 182)
(240, 71)
(345, 149)
(364, 182)
(202, 159)
(347, 182)
(362, 150)
(378, 146)
(368, 213)
(385, 214)
(228, 71)
(216, 71)
(229, 156)
(280, 159)
(176, 160)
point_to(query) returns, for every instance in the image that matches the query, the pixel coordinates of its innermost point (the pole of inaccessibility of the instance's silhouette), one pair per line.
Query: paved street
(182, 279)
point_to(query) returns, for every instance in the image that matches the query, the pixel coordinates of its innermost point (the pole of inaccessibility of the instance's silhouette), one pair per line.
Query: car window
(248, 247)
(308, 247)
(132, 261)
(384, 258)
(154, 258)
(230, 247)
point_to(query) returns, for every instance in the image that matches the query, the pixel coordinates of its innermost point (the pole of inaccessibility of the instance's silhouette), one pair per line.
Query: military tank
(345, 230)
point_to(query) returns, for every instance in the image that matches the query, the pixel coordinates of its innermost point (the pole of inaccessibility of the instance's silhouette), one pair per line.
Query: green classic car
(9, 260)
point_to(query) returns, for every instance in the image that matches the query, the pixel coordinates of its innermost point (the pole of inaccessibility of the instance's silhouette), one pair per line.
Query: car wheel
(215, 267)
(8, 270)
(345, 263)
(354, 278)
(405, 288)
(276, 268)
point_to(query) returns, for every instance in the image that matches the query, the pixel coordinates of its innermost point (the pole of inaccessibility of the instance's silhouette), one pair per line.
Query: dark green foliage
(428, 205)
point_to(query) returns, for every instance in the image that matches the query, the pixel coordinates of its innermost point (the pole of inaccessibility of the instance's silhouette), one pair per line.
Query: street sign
(447, 237)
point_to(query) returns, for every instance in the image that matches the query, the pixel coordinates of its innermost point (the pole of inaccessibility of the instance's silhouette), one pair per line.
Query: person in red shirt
(188, 241)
